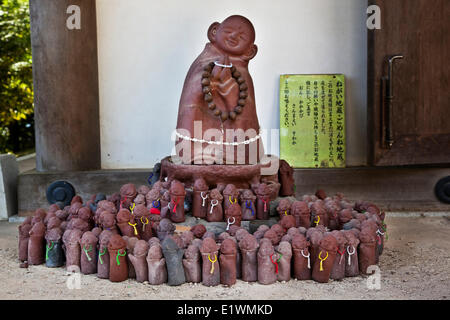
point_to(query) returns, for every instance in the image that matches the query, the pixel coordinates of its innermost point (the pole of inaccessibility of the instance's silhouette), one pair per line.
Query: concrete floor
(415, 265)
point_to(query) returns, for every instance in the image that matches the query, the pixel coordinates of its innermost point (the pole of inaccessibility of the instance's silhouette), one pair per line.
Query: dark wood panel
(65, 73)
(419, 30)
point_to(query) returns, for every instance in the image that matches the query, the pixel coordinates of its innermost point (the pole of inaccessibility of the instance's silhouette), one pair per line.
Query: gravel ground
(415, 265)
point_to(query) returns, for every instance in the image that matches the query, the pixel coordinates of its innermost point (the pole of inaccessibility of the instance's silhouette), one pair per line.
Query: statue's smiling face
(235, 36)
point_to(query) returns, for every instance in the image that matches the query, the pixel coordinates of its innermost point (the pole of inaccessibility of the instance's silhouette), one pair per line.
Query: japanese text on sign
(313, 120)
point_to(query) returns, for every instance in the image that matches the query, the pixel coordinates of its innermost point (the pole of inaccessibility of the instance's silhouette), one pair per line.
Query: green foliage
(16, 80)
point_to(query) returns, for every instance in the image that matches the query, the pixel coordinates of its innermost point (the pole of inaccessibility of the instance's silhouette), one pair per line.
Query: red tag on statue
(155, 211)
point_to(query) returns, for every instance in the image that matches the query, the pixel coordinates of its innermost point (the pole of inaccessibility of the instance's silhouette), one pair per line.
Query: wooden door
(419, 120)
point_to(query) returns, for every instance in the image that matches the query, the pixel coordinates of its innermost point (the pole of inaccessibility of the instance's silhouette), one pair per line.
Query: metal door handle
(388, 99)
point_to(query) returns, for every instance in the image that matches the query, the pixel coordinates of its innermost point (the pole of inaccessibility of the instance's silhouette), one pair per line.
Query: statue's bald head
(241, 22)
(235, 36)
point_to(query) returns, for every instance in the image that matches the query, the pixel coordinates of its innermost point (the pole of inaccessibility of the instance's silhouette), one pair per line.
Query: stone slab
(9, 172)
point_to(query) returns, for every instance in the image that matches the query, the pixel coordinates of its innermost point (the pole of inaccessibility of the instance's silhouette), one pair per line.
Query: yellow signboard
(312, 120)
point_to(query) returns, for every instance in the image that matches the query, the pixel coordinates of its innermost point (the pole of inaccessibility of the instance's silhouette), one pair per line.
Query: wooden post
(65, 73)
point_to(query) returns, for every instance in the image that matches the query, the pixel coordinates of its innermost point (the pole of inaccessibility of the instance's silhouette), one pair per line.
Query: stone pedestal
(242, 176)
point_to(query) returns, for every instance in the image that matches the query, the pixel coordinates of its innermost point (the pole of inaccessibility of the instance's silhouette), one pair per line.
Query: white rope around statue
(179, 135)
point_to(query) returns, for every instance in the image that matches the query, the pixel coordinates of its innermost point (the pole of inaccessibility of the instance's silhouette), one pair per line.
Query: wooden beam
(65, 75)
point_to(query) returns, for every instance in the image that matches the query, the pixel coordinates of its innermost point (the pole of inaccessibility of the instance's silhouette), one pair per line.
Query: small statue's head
(235, 36)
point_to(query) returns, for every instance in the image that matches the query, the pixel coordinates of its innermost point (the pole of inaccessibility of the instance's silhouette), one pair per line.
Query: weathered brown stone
(210, 265)
(118, 266)
(227, 261)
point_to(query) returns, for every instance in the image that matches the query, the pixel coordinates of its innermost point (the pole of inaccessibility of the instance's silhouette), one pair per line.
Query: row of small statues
(154, 252)
(172, 200)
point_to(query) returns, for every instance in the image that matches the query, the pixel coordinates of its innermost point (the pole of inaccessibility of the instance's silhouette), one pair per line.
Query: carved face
(265, 248)
(166, 225)
(198, 230)
(177, 189)
(209, 246)
(318, 208)
(234, 210)
(53, 234)
(272, 236)
(240, 234)
(155, 252)
(215, 195)
(248, 242)
(293, 231)
(340, 238)
(153, 195)
(74, 237)
(263, 228)
(88, 238)
(24, 229)
(299, 242)
(328, 243)
(367, 236)
(140, 199)
(192, 252)
(106, 205)
(108, 220)
(48, 216)
(247, 194)
(187, 237)
(128, 190)
(209, 235)
(140, 210)
(54, 222)
(287, 222)
(228, 247)
(332, 208)
(79, 224)
(104, 237)
(131, 242)
(235, 35)
(123, 216)
(84, 213)
(345, 215)
(166, 196)
(153, 241)
(285, 248)
(200, 185)
(74, 208)
(230, 190)
(369, 224)
(141, 248)
(116, 242)
(223, 236)
(197, 242)
(351, 238)
(315, 237)
(279, 230)
(170, 244)
(283, 206)
(263, 190)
